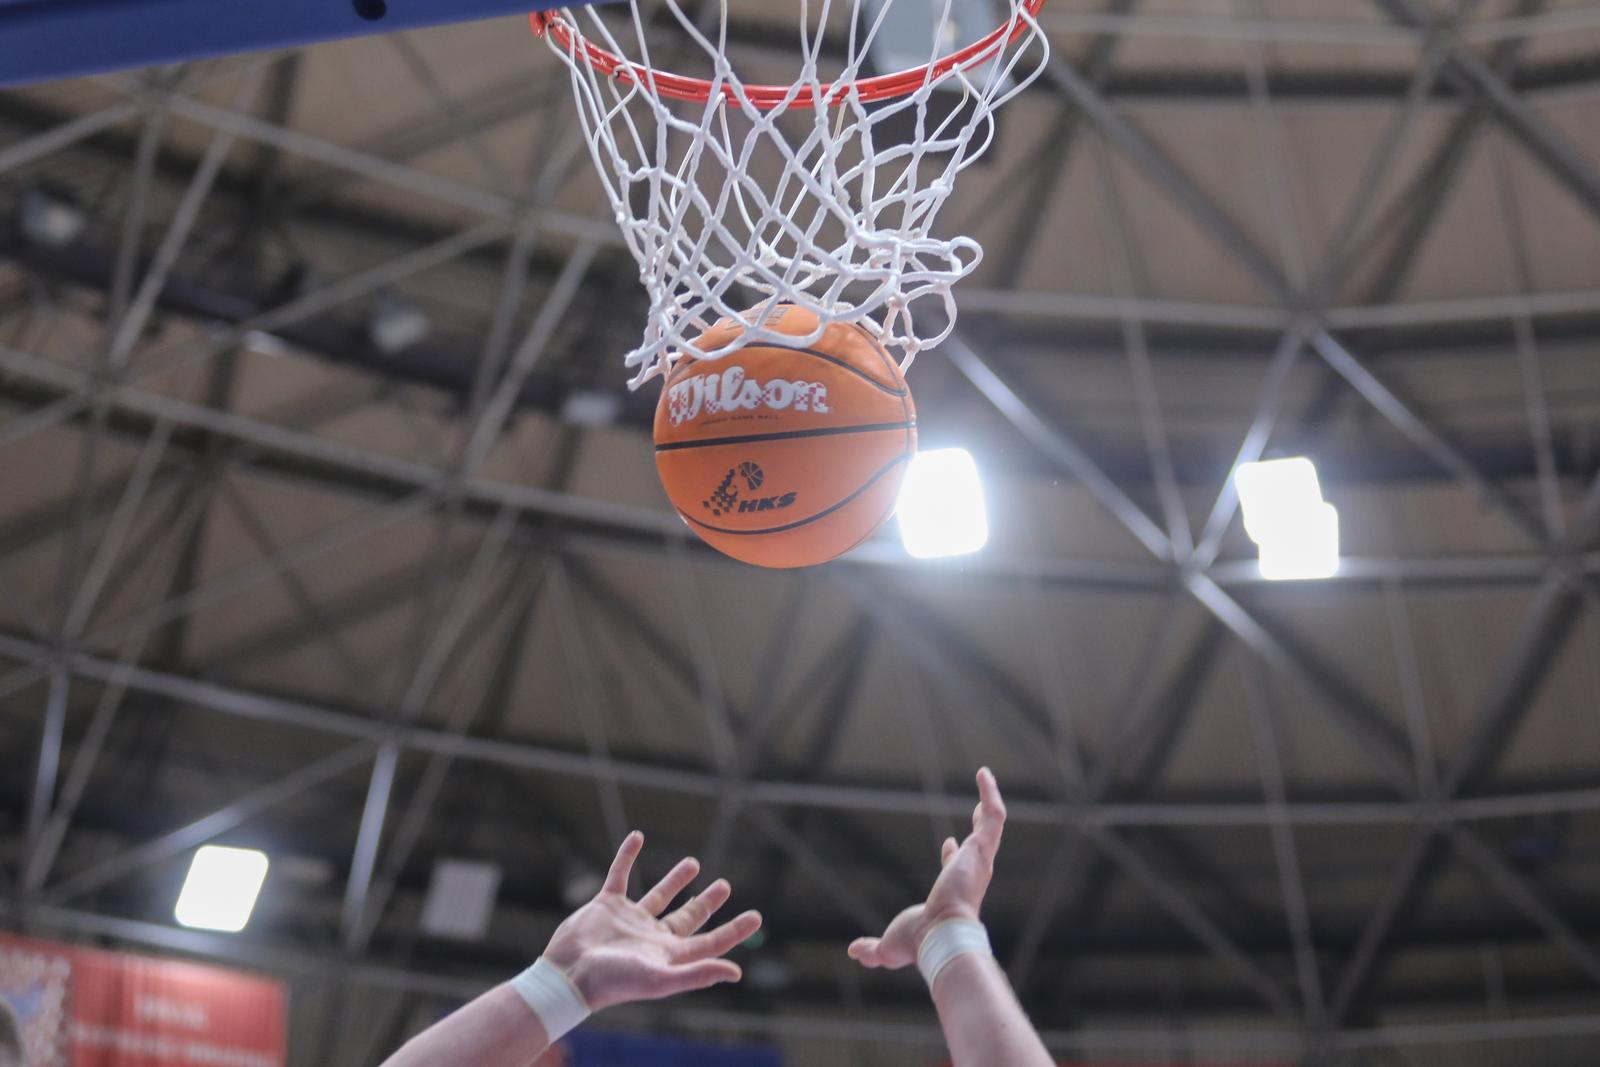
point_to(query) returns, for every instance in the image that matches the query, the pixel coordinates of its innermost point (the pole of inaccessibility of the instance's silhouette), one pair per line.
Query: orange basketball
(786, 456)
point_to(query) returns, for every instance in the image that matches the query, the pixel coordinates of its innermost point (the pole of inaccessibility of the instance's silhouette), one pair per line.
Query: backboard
(42, 40)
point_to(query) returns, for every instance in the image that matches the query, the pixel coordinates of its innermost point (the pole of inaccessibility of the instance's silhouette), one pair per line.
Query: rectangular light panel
(941, 508)
(222, 887)
(1296, 531)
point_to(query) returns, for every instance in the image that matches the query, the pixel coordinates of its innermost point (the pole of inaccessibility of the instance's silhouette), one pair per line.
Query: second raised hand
(966, 870)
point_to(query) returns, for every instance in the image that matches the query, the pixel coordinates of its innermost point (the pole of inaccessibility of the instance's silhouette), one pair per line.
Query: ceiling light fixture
(941, 508)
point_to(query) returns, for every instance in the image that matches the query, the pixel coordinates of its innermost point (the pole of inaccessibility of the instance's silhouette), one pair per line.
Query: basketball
(786, 456)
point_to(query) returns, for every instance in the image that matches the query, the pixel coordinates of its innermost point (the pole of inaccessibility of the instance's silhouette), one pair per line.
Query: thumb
(864, 950)
(948, 851)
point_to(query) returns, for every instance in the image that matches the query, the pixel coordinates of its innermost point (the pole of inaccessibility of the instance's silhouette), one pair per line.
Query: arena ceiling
(264, 581)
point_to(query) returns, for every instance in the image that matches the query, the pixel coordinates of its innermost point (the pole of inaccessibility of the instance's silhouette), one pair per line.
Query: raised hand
(617, 950)
(957, 893)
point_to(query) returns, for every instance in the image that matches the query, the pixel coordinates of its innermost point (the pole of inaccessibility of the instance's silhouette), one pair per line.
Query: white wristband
(946, 941)
(553, 998)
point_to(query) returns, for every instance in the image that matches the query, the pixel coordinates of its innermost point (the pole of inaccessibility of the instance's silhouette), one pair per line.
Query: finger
(947, 851)
(681, 978)
(667, 890)
(989, 798)
(621, 867)
(720, 941)
(693, 915)
(989, 818)
(864, 950)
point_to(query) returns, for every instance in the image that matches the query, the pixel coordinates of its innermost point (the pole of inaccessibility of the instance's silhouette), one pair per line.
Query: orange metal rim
(767, 97)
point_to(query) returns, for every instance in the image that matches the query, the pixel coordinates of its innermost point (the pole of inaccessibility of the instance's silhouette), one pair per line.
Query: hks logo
(725, 497)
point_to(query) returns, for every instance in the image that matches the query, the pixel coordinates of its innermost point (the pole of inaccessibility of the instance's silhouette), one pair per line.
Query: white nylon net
(813, 193)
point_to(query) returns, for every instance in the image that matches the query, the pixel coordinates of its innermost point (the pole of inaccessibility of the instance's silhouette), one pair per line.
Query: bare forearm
(983, 1023)
(496, 1030)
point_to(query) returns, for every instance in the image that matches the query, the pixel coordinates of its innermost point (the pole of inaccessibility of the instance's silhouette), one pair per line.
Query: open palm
(958, 892)
(617, 950)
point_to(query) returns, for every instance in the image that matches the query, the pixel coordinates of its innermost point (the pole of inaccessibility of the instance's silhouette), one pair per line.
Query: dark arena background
(330, 530)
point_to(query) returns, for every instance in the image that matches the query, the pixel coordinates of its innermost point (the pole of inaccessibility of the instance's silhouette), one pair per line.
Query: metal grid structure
(274, 584)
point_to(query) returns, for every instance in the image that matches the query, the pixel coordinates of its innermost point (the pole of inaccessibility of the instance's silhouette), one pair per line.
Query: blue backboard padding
(42, 40)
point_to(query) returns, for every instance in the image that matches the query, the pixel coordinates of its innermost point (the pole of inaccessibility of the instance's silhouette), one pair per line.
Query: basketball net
(735, 198)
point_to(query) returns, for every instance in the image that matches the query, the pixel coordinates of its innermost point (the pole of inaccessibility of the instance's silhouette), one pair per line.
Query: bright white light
(221, 890)
(1277, 495)
(1309, 550)
(941, 505)
(1285, 515)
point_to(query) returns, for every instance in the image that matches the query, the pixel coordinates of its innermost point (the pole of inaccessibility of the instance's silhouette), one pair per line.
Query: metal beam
(80, 128)
(422, 799)
(53, 725)
(369, 837)
(1067, 454)
(1566, 164)
(1150, 159)
(821, 873)
(1132, 280)
(1552, 611)
(1366, 724)
(366, 602)
(1424, 436)
(1296, 909)
(1183, 909)
(319, 450)
(1429, 191)
(208, 827)
(944, 653)
(159, 570)
(241, 702)
(427, 184)
(32, 528)
(1143, 710)
(757, 733)
(946, 648)
(588, 708)
(355, 670)
(1352, 31)
(1516, 888)
(1231, 237)
(263, 441)
(1269, 407)
(432, 657)
(1049, 163)
(1553, 608)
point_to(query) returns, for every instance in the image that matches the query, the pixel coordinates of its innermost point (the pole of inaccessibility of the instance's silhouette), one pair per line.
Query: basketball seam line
(835, 360)
(786, 435)
(903, 394)
(863, 375)
(824, 513)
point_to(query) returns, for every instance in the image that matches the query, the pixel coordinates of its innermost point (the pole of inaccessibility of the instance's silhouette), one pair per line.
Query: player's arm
(610, 951)
(983, 1023)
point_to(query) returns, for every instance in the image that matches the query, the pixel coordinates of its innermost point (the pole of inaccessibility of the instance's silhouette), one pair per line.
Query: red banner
(86, 1008)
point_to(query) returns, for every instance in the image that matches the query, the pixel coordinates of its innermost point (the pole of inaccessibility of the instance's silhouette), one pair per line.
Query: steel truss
(553, 536)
